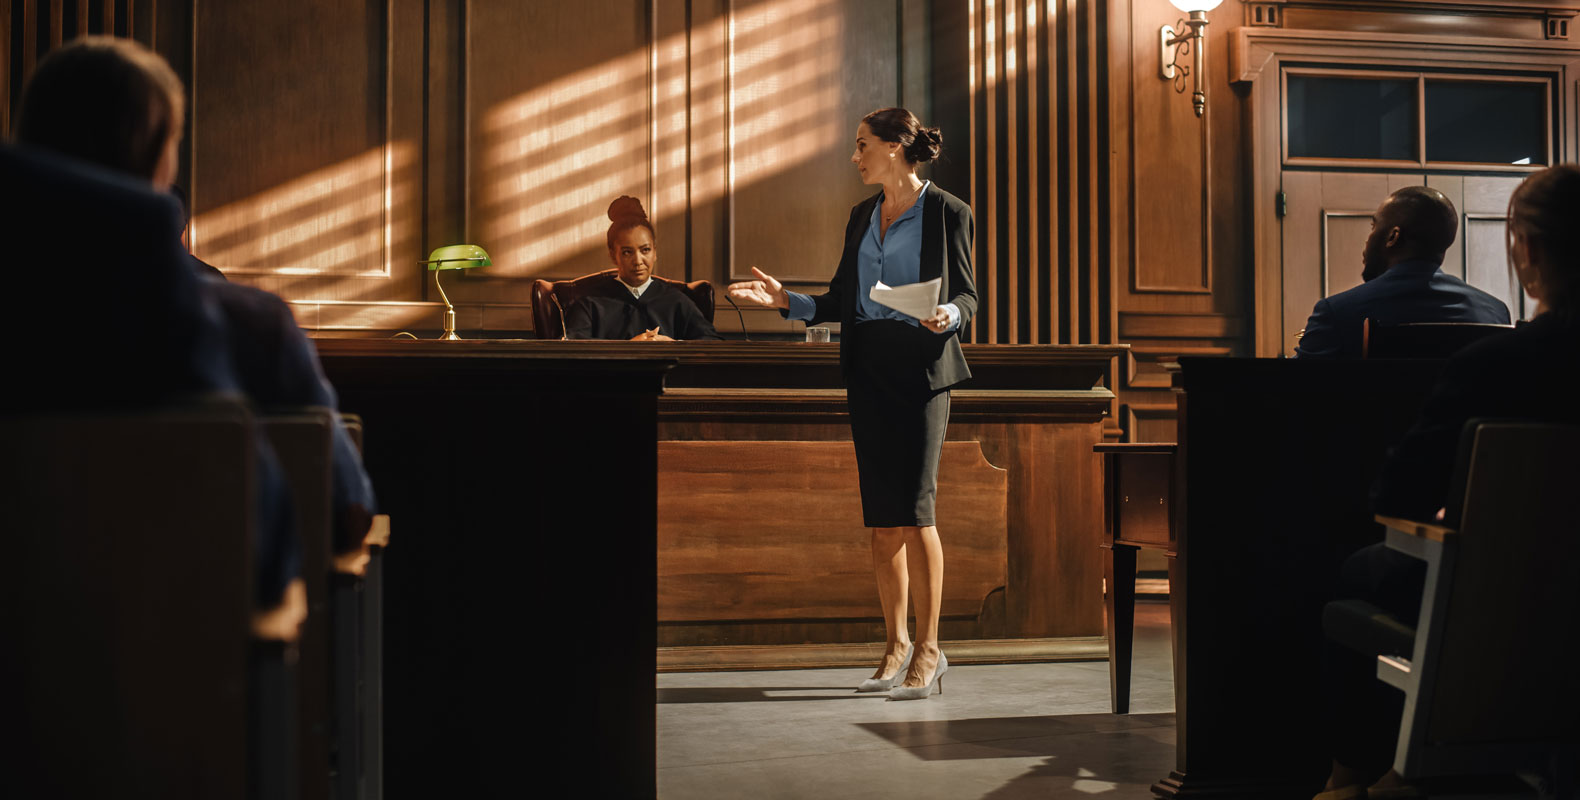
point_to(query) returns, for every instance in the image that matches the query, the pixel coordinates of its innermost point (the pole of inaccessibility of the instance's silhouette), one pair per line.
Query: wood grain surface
(773, 530)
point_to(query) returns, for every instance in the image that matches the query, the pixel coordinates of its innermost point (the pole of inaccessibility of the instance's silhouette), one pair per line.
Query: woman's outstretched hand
(765, 291)
(939, 321)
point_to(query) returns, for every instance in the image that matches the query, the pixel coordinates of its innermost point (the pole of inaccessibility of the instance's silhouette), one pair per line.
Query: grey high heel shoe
(923, 692)
(885, 684)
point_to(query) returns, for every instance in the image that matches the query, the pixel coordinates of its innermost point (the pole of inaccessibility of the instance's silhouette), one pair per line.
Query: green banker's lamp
(455, 256)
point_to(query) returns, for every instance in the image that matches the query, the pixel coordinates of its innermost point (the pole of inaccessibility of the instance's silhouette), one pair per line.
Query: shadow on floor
(1083, 754)
(760, 694)
(1007, 737)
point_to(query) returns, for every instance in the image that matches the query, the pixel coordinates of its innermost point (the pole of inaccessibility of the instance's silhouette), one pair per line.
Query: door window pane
(1499, 123)
(1351, 117)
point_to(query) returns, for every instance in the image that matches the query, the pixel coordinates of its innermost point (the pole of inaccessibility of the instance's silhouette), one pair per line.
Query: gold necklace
(888, 218)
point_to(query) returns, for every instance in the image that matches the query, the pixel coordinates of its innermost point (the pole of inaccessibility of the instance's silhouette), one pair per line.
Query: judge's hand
(938, 322)
(651, 336)
(765, 291)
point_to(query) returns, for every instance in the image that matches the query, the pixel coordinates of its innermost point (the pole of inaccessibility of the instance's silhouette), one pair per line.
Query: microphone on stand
(738, 314)
(564, 331)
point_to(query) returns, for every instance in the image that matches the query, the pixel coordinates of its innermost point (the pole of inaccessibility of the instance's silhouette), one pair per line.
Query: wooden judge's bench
(566, 496)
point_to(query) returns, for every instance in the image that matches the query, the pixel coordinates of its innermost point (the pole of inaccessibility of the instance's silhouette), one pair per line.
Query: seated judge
(1404, 282)
(1531, 373)
(630, 304)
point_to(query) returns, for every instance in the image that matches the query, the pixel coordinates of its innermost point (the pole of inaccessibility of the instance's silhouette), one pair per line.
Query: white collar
(636, 291)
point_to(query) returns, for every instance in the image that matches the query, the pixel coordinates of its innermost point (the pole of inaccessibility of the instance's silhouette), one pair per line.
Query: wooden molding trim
(1149, 369)
(1531, 8)
(817, 656)
(1255, 48)
(1058, 405)
(389, 315)
(1134, 325)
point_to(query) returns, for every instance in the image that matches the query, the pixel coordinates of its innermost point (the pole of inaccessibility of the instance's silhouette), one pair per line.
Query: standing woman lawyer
(898, 370)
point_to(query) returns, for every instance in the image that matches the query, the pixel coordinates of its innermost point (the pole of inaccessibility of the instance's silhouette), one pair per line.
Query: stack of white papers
(919, 300)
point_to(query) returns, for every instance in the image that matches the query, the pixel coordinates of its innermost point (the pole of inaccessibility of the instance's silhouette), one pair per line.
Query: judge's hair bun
(625, 213)
(626, 208)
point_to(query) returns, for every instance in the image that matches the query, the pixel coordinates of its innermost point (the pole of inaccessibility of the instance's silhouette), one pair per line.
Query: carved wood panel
(772, 531)
(299, 174)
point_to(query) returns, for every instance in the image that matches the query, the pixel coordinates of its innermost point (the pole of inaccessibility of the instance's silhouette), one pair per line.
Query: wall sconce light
(1180, 43)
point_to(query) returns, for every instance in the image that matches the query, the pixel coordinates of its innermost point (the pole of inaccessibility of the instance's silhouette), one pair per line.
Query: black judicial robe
(610, 311)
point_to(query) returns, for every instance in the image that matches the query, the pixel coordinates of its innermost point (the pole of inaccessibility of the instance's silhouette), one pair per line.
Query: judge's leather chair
(1423, 339)
(547, 322)
(126, 604)
(1489, 680)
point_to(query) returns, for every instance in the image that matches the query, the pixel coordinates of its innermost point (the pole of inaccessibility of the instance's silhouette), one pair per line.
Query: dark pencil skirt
(896, 419)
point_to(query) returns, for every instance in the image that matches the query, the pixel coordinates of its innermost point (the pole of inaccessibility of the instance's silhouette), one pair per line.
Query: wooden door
(1327, 217)
(1480, 254)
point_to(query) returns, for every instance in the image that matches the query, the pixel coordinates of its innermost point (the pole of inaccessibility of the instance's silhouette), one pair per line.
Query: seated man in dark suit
(1532, 373)
(77, 104)
(73, 106)
(1411, 231)
(154, 335)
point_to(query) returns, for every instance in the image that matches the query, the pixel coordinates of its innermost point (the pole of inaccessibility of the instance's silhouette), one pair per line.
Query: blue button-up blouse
(895, 259)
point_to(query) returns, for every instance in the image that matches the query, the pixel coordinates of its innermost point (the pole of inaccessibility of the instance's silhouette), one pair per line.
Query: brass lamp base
(449, 325)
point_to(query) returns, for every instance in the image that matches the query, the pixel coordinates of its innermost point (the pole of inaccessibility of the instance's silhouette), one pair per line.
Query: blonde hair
(110, 101)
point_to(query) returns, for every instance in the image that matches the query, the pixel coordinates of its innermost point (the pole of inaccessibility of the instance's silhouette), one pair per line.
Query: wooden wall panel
(1172, 237)
(1178, 199)
(305, 175)
(794, 109)
(556, 130)
(731, 120)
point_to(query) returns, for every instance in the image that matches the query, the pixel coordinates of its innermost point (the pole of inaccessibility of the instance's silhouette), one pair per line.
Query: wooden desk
(524, 483)
(1277, 457)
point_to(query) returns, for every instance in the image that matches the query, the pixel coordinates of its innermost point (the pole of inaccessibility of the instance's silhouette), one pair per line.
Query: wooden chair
(301, 440)
(357, 619)
(1422, 339)
(549, 299)
(1490, 683)
(126, 604)
(1138, 513)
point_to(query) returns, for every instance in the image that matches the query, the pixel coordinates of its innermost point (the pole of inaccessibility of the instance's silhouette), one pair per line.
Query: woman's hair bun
(929, 142)
(626, 207)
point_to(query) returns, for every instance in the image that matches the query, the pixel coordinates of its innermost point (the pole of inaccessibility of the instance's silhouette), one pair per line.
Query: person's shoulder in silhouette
(1404, 280)
(154, 334)
(277, 366)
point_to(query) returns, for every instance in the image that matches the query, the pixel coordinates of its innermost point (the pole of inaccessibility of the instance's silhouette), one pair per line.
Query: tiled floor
(998, 731)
